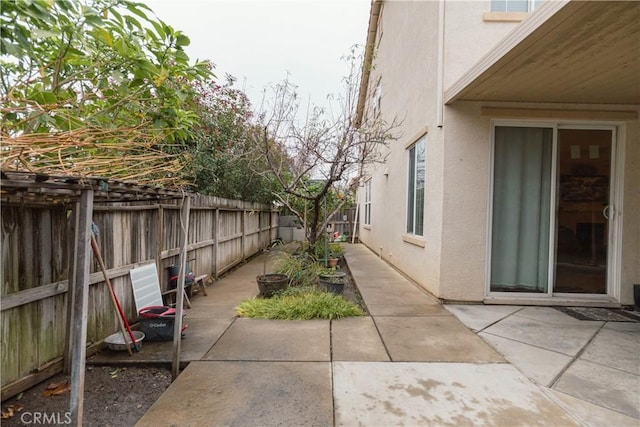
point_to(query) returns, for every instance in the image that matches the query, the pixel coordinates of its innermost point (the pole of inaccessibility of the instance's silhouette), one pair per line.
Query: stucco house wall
(407, 63)
(630, 269)
(416, 43)
(467, 183)
(468, 37)
(406, 67)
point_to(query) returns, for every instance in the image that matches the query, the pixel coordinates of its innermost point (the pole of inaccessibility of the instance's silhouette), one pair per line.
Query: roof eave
(456, 91)
(372, 33)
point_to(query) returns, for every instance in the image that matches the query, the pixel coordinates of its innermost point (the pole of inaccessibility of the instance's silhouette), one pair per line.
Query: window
(415, 199)
(515, 5)
(367, 203)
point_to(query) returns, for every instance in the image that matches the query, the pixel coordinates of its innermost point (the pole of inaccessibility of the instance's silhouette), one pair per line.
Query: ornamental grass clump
(301, 268)
(300, 303)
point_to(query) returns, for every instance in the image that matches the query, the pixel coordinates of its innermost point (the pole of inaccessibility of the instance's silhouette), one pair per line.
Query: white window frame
(411, 229)
(531, 6)
(616, 198)
(367, 203)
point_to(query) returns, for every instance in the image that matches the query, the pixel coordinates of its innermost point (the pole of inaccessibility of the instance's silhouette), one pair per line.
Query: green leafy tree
(223, 162)
(95, 86)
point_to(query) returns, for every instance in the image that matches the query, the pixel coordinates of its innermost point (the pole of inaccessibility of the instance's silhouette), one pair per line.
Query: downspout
(372, 34)
(440, 83)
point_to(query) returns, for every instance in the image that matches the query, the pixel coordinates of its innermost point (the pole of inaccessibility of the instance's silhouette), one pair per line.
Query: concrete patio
(594, 361)
(411, 362)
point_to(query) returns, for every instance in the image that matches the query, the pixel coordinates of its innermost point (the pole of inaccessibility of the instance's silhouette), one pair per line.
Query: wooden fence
(36, 243)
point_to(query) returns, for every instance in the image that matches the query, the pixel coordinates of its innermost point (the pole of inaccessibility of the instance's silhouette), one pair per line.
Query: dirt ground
(113, 397)
(350, 291)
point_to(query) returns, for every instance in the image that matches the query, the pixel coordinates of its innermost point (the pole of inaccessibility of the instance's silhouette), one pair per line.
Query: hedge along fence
(36, 243)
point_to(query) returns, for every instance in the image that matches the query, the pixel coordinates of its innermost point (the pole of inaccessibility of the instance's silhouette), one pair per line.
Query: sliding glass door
(584, 174)
(549, 228)
(521, 203)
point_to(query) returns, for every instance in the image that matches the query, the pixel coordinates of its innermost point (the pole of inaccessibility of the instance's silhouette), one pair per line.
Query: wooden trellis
(47, 261)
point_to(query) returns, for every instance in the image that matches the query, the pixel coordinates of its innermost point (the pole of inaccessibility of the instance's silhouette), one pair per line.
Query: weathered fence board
(35, 268)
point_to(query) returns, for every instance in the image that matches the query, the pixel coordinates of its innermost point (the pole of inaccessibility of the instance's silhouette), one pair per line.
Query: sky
(260, 41)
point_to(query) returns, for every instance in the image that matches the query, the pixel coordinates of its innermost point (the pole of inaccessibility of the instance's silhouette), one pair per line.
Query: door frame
(614, 242)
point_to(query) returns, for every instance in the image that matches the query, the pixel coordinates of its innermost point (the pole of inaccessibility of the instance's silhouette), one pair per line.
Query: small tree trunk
(313, 226)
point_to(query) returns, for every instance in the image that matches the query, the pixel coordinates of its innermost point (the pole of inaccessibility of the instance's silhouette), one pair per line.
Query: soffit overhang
(584, 52)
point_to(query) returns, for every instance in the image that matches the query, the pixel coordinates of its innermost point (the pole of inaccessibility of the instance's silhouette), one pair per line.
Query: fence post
(269, 239)
(271, 236)
(216, 242)
(177, 324)
(80, 308)
(262, 231)
(159, 240)
(71, 291)
(243, 242)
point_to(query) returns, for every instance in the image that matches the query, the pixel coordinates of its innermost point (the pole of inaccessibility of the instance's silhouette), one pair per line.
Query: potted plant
(335, 252)
(331, 280)
(271, 283)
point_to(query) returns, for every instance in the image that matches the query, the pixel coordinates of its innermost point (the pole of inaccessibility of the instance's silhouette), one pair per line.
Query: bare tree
(327, 150)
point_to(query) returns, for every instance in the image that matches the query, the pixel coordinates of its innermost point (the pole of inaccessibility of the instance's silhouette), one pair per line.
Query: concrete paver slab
(414, 310)
(623, 326)
(199, 337)
(356, 338)
(390, 394)
(602, 385)
(408, 295)
(616, 349)
(226, 311)
(478, 317)
(258, 339)
(433, 339)
(539, 365)
(246, 394)
(376, 278)
(551, 316)
(230, 291)
(361, 259)
(568, 339)
(370, 272)
(589, 414)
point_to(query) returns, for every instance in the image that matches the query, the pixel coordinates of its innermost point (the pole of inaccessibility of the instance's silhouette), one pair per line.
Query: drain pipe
(440, 82)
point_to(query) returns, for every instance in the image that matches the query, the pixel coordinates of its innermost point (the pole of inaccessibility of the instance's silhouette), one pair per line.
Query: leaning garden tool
(125, 329)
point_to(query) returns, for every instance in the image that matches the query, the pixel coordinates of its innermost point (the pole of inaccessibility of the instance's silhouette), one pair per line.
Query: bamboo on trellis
(128, 154)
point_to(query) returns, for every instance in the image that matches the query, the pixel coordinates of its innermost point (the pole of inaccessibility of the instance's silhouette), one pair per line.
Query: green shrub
(326, 271)
(319, 250)
(300, 303)
(301, 268)
(336, 249)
